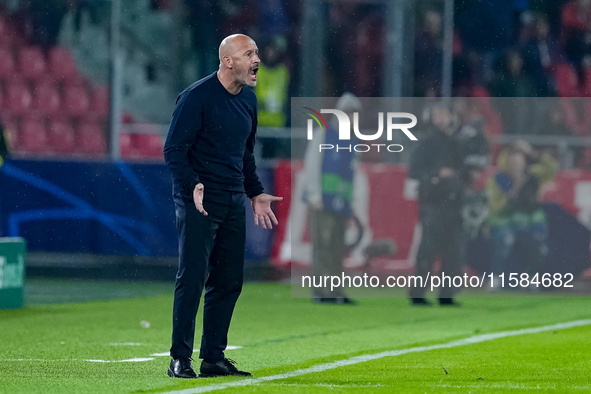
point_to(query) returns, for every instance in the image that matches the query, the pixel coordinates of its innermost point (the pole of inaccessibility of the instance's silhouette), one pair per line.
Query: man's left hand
(261, 207)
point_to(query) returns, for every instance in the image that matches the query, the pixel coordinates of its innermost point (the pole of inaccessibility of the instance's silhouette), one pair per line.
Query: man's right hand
(198, 198)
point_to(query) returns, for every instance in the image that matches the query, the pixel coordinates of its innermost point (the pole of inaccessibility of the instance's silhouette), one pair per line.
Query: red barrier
(391, 207)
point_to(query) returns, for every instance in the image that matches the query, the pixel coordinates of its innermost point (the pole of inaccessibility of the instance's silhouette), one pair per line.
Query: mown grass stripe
(390, 353)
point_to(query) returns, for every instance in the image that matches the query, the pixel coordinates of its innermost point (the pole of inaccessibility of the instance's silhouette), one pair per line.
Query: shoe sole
(172, 375)
(209, 375)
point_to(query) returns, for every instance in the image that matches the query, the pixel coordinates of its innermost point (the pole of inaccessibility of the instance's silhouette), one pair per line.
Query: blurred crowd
(501, 48)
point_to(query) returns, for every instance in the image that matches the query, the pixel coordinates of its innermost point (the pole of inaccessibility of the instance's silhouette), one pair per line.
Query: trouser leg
(534, 241)
(327, 231)
(196, 238)
(428, 249)
(503, 241)
(224, 283)
(452, 255)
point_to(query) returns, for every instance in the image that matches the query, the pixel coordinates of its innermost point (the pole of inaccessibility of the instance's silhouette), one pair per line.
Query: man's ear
(227, 60)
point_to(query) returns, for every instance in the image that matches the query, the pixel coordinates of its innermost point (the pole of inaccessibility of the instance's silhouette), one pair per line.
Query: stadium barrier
(125, 210)
(387, 209)
(12, 272)
(101, 208)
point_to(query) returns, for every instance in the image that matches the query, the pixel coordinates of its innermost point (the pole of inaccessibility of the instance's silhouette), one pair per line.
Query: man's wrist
(191, 184)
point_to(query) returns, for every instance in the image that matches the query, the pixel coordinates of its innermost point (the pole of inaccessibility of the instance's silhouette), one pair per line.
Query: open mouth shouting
(253, 71)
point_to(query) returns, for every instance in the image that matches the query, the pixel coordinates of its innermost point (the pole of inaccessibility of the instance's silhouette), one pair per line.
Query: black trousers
(442, 235)
(327, 230)
(211, 256)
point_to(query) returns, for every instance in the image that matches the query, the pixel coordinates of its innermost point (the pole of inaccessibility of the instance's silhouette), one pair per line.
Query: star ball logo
(344, 130)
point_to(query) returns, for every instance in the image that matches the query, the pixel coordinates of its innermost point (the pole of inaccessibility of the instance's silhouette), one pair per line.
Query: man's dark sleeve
(252, 186)
(184, 126)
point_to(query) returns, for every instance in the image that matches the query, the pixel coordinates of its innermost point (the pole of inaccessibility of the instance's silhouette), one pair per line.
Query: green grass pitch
(45, 348)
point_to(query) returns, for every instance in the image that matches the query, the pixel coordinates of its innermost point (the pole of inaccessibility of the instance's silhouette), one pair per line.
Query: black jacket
(435, 151)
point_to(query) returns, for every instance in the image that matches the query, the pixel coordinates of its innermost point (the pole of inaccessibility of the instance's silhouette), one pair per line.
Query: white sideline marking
(37, 359)
(129, 360)
(391, 353)
(167, 354)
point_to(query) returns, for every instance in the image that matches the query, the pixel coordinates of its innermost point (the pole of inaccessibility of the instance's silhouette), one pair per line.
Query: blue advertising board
(104, 208)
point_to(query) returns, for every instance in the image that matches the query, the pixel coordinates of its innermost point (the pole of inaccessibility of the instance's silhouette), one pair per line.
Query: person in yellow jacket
(516, 217)
(272, 88)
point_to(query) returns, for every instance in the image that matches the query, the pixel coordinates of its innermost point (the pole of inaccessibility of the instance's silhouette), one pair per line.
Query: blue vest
(337, 176)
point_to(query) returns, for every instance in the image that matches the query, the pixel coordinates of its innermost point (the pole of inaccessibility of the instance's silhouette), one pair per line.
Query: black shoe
(346, 301)
(448, 302)
(420, 302)
(337, 300)
(225, 367)
(181, 368)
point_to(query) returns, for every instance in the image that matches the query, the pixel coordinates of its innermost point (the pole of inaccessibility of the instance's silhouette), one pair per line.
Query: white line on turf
(129, 360)
(391, 353)
(37, 360)
(167, 354)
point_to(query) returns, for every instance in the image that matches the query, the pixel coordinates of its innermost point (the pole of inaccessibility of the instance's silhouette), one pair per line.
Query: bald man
(209, 150)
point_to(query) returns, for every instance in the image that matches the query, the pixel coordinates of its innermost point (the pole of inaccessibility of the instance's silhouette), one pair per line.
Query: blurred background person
(438, 166)
(516, 216)
(474, 151)
(576, 31)
(540, 53)
(329, 191)
(4, 145)
(272, 94)
(488, 27)
(511, 79)
(554, 122)
(428, 56)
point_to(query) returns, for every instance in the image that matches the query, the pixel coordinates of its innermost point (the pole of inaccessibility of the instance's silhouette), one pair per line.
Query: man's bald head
(239, 60)
(232, 43)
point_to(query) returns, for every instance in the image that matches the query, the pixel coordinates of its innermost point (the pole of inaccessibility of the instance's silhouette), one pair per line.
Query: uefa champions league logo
(344, 130)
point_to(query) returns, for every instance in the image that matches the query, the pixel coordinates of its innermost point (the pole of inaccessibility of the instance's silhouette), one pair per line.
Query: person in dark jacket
(437, 163)
(209, 151)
